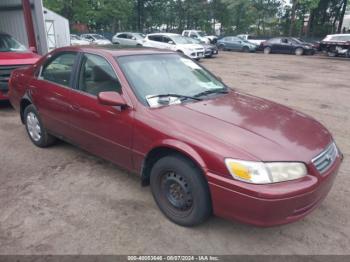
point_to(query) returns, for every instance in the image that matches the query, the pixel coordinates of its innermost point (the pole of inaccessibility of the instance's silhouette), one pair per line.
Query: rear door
(122, 39)
(156, 41)
(51, 91)
(103, 130)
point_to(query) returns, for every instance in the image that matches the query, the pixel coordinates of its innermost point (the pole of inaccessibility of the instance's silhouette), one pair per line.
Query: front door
(103, 130)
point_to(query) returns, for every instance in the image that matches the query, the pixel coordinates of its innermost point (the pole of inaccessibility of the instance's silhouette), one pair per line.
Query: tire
(267, 50)
(180, 191)
(35, 129)
(347, 55)
(221, 48)
(299, 51)
(332, 53)
(246, 49)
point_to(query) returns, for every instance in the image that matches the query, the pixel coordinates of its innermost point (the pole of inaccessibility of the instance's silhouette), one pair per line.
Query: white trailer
(33, 25)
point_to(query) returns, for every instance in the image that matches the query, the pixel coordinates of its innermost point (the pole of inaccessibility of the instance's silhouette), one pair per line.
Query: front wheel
(35, 129)
(299, 51)
(267, 50)
(246, 49)
(180, 190)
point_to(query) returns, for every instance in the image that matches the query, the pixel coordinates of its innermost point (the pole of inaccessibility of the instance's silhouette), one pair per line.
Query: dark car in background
(236, 44)
(287, 45)
(12, 56)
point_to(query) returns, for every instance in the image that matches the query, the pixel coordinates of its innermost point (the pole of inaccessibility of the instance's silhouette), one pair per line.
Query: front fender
(183, 148)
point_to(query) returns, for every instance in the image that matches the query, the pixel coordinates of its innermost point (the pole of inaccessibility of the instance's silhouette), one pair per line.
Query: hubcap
(177, 191)
(33, 126)
(299, 51)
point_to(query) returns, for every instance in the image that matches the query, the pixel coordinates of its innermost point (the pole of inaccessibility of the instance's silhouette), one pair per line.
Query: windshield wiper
(176, 95)
(214, 91)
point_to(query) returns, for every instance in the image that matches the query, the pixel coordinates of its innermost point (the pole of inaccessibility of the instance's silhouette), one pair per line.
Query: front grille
(5, 73)
(326, 159)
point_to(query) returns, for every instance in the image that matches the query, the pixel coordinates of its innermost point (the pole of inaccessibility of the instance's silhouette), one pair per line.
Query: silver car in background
(128, 38)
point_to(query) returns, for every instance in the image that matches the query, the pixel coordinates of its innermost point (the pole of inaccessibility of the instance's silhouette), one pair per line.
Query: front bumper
(197, 54)
(269, 205)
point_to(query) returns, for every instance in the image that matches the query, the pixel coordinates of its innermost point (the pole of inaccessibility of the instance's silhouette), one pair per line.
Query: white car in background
(176, 43)
(77, 40)
(128, 38)
(200, 35)
(96, 39)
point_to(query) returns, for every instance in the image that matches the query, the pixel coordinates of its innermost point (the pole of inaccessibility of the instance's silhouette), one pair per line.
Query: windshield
(140, 35)
(201, 33)
(153, 75)
(297, 41)
(181, 40)
(194, 40)
(98, 36)
(9, 44)
(75, 37)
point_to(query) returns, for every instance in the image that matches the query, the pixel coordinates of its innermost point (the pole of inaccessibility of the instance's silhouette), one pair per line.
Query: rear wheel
(299, 51)
(267, 50)
(35, 129)
(180, 190)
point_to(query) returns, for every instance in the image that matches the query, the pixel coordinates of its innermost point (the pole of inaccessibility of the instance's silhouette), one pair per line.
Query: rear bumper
(269, 205)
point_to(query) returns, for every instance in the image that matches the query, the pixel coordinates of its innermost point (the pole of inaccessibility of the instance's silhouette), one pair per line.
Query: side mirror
(111, 98)
(171, 43)
(133, 38)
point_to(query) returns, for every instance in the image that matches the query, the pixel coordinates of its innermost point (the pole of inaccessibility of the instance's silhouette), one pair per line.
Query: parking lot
(62, 200)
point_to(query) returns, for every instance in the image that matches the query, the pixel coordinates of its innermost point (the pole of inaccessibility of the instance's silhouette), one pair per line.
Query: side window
(156, 38)
(97, 75)
(185, 33)
(193, 35)
(59, 70)
(122, 36)
(166, 39)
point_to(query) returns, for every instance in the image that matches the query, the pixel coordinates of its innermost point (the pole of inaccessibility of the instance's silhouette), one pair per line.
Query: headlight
(265, 173)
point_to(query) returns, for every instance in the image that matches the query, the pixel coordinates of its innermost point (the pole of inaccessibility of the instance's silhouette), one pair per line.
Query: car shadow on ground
(5, 105)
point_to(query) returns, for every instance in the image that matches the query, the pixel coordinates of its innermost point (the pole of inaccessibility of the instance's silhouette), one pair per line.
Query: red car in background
(201, 146)
(12, 56)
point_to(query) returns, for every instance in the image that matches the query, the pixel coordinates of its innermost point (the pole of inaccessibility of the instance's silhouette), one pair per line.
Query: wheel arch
(25, 101)
(160, 151)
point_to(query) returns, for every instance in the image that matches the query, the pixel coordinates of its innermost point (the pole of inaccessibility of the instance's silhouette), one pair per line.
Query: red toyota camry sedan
(203, 148)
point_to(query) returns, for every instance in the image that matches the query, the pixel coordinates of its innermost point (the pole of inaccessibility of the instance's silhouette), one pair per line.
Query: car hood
(18, 58)
(190, 46)
(262, 129)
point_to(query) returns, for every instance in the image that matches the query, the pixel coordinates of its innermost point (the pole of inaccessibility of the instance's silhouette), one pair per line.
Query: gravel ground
(62, 200)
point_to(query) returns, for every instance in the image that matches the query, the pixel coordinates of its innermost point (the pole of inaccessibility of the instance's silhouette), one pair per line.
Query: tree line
(302, 18)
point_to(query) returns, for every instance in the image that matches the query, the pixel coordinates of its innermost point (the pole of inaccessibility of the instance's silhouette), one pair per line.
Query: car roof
(339, 35)
(165, 34)
(113, 50)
